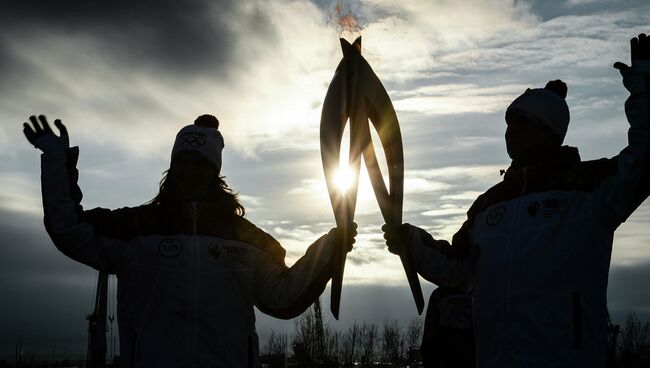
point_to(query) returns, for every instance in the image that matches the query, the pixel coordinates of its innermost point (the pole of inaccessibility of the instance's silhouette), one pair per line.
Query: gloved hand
(639, 54)
(338, 237)
(43, 138)
(396, 237)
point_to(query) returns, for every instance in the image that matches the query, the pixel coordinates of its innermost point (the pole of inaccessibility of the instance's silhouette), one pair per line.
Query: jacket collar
(545, 171)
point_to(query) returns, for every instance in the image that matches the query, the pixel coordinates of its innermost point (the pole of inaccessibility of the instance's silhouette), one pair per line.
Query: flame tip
(345, 18)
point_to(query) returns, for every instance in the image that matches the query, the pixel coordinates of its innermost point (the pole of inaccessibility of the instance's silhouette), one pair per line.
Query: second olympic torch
(356, 93)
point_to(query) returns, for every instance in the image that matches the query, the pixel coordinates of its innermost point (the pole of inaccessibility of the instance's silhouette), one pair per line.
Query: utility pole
(319, 344)
(96, 356)
(111, 318)
(19, 352)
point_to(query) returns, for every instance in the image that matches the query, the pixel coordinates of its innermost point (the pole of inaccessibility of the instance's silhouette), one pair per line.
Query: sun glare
(343, 178)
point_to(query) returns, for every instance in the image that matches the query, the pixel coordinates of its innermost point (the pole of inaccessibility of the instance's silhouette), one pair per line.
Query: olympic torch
(356, 93)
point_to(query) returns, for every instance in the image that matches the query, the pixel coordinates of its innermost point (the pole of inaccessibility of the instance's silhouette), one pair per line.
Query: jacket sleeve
(624, 191)
(287, 292)
(247, 232)
(73, 238)
(444, 264)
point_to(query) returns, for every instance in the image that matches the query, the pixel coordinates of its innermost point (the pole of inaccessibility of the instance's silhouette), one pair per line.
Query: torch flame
(346, 20)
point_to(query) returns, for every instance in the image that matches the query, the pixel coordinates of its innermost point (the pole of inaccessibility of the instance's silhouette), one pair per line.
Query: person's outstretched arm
(75, 239)
(438, 261)
(287, 292)
(629, 183)
(123, 223)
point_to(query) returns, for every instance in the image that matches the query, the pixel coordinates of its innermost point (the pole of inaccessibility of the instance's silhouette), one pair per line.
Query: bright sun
(343, 178)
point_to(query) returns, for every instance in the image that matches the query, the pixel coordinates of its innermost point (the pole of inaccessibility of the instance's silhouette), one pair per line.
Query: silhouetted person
(189, 267)
(447, 340)
(535, 249)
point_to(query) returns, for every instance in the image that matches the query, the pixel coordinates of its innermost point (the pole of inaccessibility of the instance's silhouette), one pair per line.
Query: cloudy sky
(124, 77)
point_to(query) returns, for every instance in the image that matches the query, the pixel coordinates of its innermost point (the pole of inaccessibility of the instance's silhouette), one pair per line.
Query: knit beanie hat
(546, 106)
(203, 137)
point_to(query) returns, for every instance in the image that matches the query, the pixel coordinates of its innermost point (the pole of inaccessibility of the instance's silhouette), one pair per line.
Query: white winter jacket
(536, 250)
(184, 300)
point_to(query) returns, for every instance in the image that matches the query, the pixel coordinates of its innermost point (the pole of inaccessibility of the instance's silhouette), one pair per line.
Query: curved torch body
(357, 93)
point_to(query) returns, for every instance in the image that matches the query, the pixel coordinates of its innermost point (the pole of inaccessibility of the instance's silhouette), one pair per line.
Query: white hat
(546, 106)
(203, 137)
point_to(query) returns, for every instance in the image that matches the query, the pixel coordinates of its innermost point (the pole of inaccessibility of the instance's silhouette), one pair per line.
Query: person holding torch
(189, 267)
(535, 249)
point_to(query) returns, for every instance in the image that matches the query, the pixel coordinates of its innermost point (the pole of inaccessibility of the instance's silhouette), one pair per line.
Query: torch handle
(412, 276)
(392, 215)
(339, 257)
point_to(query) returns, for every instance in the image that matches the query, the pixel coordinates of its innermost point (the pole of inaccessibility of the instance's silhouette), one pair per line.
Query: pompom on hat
(203, 137)
(546, 106)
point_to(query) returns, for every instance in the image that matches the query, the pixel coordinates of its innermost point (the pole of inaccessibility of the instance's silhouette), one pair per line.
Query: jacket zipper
(194, 285)
(577, 321)
(506, 298)
(508, 267)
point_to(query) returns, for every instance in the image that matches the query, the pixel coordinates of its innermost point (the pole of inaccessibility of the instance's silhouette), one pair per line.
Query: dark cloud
(25, 247)
(178, 37)
(548, 9)
(45, 296)
(14, 71)
(628, 291)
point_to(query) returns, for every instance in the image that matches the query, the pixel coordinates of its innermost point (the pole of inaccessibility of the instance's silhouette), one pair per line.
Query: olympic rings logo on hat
(194, 139)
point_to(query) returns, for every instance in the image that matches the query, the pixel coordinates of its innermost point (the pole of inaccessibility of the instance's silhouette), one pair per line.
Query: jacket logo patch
(234, 250)
(495, 216)
(214, 251)
(554, 205)
(170, 247)
(533, 209)
(551, 207)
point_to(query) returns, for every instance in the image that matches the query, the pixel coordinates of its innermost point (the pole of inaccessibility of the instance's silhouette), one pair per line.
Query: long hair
(226, 200)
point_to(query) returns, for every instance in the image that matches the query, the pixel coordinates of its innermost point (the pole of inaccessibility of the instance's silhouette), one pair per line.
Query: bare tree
(304, 339)
(368, 339)
(315, 344)
(413, 338)
(392, 342)
(350, 343)
(332, 347)
(276, 344)
(275, 351)
(413, 333)
(613, 332)
(635, 336)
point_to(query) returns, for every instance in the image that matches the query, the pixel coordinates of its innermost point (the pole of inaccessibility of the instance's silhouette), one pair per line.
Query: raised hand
(395, 237)
(639, 52)
(338, 234)
(41, 136)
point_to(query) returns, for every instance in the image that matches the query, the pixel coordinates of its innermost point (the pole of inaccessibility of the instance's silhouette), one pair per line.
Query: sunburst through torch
(356, 93)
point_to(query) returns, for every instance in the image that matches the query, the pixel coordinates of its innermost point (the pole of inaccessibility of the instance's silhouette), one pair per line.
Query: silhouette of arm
(444, 264)
(124, 223)
(287, 292)
(61, 199)
(72, 237)
(624, 191)
(247, 232)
